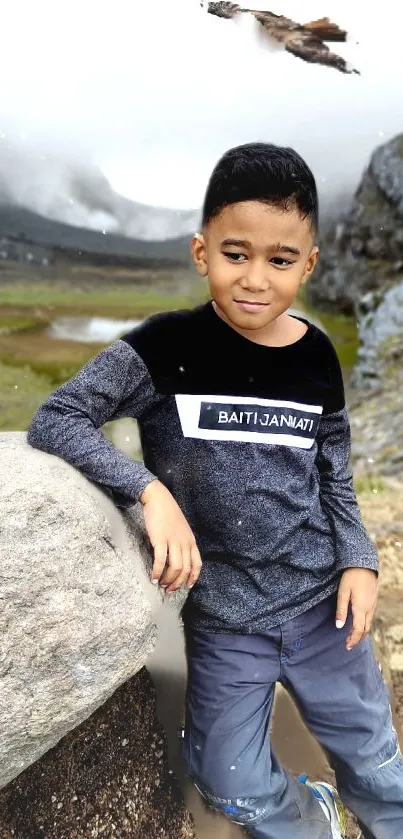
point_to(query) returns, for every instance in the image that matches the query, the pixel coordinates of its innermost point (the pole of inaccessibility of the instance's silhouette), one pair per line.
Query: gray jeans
(343, 700)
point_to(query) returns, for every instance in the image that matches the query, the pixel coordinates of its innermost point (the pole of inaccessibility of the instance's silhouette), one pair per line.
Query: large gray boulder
(77, 616)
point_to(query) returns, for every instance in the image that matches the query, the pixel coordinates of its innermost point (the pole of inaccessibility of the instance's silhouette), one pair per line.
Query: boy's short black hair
(275, 175)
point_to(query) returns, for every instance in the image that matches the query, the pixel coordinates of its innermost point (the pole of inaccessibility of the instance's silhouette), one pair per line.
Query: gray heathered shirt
(252, 441)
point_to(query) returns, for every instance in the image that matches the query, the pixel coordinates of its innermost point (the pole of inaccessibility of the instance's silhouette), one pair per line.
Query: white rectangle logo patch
(247, 419)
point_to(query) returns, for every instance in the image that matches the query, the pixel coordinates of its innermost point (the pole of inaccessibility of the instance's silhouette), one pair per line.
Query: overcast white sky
(155, 91)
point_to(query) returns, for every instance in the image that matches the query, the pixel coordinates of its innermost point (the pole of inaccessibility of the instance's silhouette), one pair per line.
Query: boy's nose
(255, 280)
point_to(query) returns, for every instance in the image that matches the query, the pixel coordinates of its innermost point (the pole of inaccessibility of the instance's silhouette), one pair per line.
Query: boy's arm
(356, 555)
(354, 548)
(117, 384)
(68, 423)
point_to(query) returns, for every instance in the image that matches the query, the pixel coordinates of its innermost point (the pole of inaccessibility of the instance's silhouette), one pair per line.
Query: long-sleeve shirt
(252, 441)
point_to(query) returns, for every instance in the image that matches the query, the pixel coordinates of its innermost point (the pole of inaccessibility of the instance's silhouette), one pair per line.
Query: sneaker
(333, 808)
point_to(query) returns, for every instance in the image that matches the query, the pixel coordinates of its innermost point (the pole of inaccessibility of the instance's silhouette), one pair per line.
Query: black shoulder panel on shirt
(192, 351)
(158, 338)
(166, 342)
(324, 354)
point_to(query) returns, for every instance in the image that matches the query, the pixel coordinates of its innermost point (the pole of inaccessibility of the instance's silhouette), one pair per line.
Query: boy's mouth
(249, 306)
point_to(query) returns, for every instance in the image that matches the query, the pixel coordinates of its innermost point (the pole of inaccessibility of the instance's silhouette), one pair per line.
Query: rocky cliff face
(364, 251)
(361, 271)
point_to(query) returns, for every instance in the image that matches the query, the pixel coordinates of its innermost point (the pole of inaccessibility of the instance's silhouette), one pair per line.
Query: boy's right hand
(173, 542)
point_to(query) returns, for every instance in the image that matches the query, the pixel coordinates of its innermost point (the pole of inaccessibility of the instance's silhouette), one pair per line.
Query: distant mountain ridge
(30, 231)
(57, 203)
(76, 192)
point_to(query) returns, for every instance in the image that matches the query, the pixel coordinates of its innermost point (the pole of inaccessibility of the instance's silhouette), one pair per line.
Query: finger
(354, 638)
(174, 566)
(184, 574)
(343, 602)
(368, 621)
(160, 558)
(196, 565)
(358, 630)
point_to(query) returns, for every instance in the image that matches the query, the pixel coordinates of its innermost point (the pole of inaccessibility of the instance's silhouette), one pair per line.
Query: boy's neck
(281, 332)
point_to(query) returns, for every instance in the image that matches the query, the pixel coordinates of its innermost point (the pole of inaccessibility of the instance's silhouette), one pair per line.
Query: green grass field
(32, 364)
(46, 301)
(341, 329)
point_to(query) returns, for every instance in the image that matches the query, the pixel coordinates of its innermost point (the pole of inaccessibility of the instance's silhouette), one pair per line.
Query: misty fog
(141, 101)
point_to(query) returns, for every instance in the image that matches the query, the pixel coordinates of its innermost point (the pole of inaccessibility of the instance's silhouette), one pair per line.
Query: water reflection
(89, 330)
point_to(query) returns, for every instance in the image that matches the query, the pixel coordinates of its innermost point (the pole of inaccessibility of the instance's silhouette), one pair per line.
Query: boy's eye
(235, 257)
(279, 260)
(275, 260)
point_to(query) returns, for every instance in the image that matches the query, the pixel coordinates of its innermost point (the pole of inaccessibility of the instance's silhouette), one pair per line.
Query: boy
(246, 445)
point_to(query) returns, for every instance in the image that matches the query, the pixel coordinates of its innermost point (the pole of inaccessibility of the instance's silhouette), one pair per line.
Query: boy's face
(256, 257)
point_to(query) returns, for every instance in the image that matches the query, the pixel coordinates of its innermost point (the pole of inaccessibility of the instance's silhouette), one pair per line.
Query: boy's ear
(199, 254)
(310, 265)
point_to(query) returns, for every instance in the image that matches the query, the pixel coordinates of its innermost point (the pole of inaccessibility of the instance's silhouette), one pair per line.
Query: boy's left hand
(358, 587)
